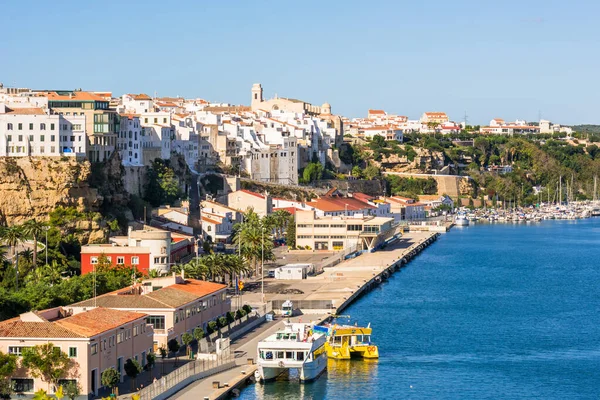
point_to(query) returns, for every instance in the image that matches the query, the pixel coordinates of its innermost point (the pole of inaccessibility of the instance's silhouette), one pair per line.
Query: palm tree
(281, 218)
(254, 239)
(34, 229)
(13, 236)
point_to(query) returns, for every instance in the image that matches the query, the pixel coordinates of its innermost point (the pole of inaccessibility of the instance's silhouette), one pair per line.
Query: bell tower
(257, 96)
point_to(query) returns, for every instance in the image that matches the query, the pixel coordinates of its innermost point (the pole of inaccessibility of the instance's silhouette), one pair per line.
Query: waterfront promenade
(338, 285)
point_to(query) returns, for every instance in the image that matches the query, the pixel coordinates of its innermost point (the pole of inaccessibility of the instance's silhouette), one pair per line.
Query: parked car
(271, 273)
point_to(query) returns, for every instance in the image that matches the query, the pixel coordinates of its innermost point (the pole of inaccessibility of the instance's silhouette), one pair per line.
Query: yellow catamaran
(346, 341)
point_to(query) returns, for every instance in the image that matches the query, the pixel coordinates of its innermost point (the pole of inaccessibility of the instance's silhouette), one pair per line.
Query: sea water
(489, 311)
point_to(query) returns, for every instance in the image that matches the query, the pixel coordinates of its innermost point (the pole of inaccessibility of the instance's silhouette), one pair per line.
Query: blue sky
(508, 59)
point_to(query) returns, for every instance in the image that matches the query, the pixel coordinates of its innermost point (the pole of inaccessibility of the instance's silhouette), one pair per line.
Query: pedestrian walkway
(243, 348)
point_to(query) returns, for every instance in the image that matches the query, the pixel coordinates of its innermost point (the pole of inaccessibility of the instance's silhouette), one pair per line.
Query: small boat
(461, 220)
(297, 346)
(345, 342)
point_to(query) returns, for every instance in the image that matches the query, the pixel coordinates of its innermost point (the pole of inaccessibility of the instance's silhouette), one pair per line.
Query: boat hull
(348, 352)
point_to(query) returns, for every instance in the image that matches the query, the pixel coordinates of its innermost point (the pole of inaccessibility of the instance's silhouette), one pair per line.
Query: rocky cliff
(33, 187)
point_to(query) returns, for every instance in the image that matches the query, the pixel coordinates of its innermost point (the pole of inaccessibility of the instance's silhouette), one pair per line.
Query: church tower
(257, 96)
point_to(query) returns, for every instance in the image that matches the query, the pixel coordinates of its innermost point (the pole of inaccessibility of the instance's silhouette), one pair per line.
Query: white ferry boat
(296, 346)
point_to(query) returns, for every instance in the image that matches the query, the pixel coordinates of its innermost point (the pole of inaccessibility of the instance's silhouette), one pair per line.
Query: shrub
(230, 317)
(240, 313)
(212, 326)
(247, 308)
(222, 321)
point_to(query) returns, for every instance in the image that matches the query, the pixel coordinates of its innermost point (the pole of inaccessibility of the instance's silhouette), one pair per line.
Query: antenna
(466, 120)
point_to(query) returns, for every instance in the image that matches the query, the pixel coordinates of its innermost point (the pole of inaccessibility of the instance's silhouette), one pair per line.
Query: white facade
(36, 132)
(137, 103)
(129, 140)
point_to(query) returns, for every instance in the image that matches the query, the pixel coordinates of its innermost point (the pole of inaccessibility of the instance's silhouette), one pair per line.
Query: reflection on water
(344, 372)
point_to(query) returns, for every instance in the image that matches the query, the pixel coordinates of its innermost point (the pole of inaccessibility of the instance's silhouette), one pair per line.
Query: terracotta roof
(141, 96)
(98, 320)
(24, 111)
(363, 197)
(172, 296)
(210, 221)
(435, 113)
(81, 96)
(252, 193)
(115, 300)
(291, 210)
(379, 112)
(328, 204)
(198, 287)
(17, 328)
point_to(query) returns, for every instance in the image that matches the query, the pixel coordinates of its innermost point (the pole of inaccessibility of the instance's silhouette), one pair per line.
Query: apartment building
(174, 305)
(129, 140)
(94, 338)
(406, 209)
(145, 250)
(101, 122)
(434, 117)
(340, 232)
(33, 131)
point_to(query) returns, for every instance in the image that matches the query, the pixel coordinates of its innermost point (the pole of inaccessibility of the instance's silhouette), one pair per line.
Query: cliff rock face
(33, 187)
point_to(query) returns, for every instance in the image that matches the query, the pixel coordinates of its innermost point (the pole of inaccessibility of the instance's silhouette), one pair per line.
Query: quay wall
(405, 257)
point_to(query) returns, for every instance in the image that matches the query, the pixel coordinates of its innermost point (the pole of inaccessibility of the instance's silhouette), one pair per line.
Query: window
(52, 138)
(9, 127)
(120, 260)
(51, 127)
(135, 330)
(94, 348)
(135, 260)
(16, 350)
(9, 138)
(120, 337)
(20, 138)
(20, 126)
(42, 127)
(31, 138)
(158, 321)
(94, 260)
(22, 385)
(72, 352)
(42, 138)
(30, 127)
(156, 260)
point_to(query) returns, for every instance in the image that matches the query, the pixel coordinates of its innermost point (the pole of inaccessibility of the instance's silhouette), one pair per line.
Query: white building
(137, 103)
(129, 140)
(32, 131)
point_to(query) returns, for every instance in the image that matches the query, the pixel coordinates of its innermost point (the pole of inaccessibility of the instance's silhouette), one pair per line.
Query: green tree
(290, 232)
(8, 365)
(47, 362)
(371, 172)
(41, 395)
(13, 236)
(110, 378)
(312, 172)
(72, 390)
(163, 355)
(356, 172)
(162, 186)
(150, 360)
(186, 338)
(35, 230)
(198, 334)
(174, 347)
(132, 370)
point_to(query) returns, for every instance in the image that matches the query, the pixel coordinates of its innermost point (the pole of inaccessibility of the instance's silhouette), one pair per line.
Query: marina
(535, 303)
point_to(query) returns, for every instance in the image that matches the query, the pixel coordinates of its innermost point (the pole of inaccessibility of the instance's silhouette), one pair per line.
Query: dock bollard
(216, 385)
(250, 361)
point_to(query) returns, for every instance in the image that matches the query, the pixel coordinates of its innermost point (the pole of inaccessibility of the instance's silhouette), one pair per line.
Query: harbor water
(489, 311)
